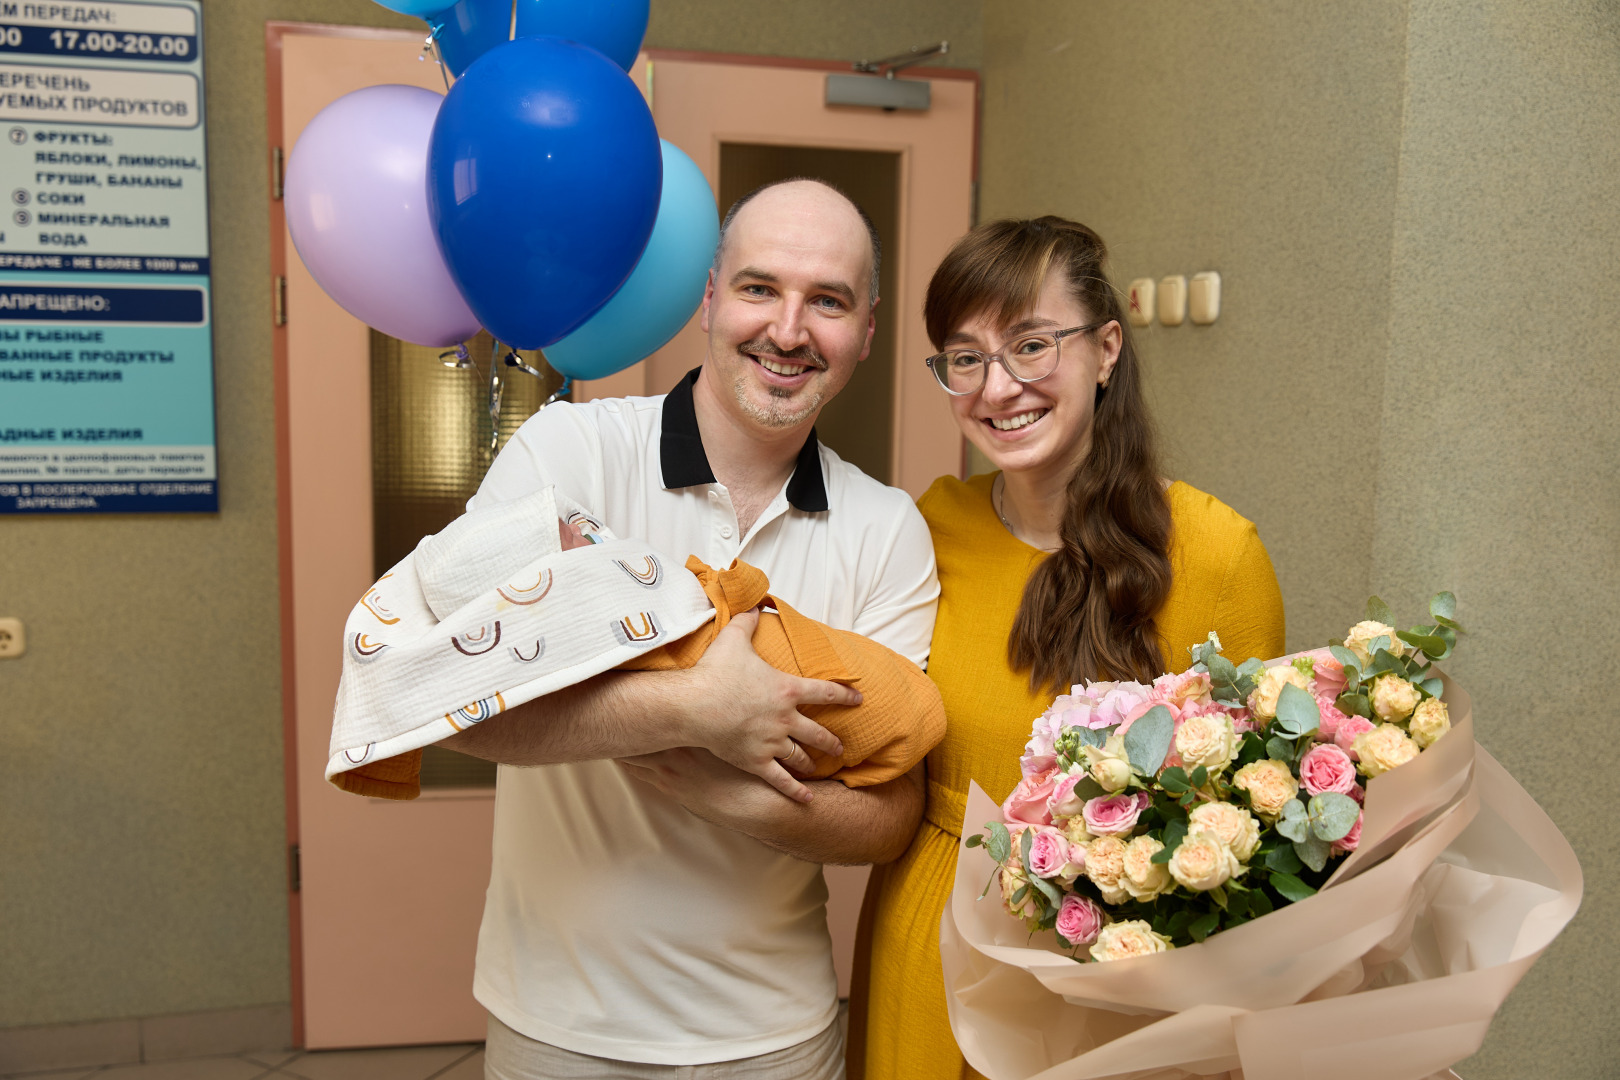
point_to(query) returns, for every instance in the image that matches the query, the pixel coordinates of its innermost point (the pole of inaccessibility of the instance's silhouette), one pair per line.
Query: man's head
(789, 304)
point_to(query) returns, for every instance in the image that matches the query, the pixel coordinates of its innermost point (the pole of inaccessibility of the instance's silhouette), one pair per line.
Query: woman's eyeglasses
(1029, 359)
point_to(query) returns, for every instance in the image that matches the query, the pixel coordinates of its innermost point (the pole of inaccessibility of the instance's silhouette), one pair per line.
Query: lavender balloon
(356, 200)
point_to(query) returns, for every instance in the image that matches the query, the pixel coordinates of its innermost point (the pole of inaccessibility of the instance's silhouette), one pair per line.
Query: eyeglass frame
(1057, 344)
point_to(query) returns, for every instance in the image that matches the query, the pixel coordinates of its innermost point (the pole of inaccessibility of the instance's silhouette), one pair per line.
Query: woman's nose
(999, 385)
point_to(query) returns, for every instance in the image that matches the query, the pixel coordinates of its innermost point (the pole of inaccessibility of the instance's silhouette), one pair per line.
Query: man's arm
(843, 825)
(731, 703)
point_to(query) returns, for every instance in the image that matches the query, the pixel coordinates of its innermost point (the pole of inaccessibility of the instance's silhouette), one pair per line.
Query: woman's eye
(1031, 347)
(963, 361)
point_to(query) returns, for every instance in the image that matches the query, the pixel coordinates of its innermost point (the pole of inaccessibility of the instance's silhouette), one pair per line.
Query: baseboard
(148, 1038)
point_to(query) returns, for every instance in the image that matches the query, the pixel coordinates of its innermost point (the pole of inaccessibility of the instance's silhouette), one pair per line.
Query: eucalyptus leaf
(1089, 736)
(1449, 624)
(1222, 670)
(1443, 605)
(1148, 740)
(1430, 644)
(1378, 611)
(1088, 789)
(1283, 860)
(974, 841)
(1352, 680)
(1019, 894)
(1354, 705)
(1333, 815)
(1344, 656)
(1251, 667)
(1000, 842)
(1295, 823)
(1048, 890)
(1297, 713)
(1279, 749)
(1024, 843)
(1291, 888)
(1203, 926)
(1174, 780)
(1313, 852)
(1432, 687)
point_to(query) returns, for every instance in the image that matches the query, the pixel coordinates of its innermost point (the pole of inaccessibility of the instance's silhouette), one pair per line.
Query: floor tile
(214, 1068)
(399, 1063)
(470, 1067)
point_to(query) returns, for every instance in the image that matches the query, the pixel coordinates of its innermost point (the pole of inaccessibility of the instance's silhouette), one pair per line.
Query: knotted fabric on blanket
(491, 613)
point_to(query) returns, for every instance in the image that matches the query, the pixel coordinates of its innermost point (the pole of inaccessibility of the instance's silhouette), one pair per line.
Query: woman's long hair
(1087, 611)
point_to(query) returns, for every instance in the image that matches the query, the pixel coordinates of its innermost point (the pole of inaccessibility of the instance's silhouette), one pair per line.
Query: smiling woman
(1076, 560)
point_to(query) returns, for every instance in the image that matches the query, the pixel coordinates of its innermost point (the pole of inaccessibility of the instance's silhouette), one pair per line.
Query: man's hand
(755, 723)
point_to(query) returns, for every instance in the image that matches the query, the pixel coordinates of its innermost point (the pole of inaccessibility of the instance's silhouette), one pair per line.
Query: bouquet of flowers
(1266, 870)
(1152, 816)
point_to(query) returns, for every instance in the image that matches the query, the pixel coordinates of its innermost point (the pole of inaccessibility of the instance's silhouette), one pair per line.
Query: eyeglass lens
(962, 371)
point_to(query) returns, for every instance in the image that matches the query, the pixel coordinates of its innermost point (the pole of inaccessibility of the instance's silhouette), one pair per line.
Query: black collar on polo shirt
(686, 464)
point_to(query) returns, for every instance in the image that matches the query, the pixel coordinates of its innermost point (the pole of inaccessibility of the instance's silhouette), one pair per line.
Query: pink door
(385, 920)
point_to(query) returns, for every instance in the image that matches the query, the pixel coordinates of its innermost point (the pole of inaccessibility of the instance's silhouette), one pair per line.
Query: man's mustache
(804, 354)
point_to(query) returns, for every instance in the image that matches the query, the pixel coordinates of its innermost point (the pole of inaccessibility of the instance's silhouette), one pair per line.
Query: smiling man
(656, 899)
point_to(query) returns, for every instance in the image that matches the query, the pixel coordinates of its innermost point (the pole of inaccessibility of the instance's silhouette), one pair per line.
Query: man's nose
(788, 330)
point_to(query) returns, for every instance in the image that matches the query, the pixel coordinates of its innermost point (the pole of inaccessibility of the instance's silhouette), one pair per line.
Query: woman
(1075, 561)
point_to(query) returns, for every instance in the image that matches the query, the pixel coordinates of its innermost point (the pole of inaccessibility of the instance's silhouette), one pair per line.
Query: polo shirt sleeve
(560, 445)
(904, 588)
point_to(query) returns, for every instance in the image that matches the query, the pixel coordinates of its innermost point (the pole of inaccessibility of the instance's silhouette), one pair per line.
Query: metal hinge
(276, 163)
(295, 874)
(278, 299)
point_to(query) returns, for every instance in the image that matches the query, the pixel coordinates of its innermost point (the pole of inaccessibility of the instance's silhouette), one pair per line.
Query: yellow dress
(1221, 580)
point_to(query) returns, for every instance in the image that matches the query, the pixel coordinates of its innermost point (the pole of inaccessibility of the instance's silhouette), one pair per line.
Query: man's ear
(871, 328)
(708, 297)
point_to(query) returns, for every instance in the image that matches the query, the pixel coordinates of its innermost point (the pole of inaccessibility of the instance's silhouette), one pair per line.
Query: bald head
(804, 203)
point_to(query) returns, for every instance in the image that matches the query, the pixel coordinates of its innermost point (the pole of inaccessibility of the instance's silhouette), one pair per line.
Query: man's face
(787, 309)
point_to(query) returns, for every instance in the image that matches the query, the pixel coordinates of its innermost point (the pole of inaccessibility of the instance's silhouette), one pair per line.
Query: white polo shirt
(617, 924)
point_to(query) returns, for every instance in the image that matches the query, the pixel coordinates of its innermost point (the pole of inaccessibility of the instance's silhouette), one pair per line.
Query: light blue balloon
(662, 291)
(419, 8)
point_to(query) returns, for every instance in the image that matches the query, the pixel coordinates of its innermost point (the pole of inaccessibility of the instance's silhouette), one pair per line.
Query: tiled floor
(463, 1062)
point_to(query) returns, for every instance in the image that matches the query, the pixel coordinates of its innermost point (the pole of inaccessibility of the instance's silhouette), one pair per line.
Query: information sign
(106, 348)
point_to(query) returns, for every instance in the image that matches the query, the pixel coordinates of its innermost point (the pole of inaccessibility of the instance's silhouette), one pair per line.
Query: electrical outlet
(12, 641)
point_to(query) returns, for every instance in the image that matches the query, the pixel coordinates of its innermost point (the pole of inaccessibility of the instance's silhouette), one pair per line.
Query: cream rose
(1105, 863)
(1123, 940)
(1238, 829)
(1383, 748)
(1209, 741)
(1074, 830)
(1201, 861)
(1108, 764)
(1270, 785)
(1012, 879)
(1142, 877)
(1430, 720)
(1365, 633)
(1263, 699)
(1393, 698)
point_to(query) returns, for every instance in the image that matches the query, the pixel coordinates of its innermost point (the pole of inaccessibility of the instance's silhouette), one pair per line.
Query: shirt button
(725, 532)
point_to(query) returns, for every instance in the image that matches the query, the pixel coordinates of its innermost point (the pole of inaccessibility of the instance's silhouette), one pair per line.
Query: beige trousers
(509, 1055)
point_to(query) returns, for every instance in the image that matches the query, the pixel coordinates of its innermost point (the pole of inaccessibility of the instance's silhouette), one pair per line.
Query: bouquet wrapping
(1392, 965)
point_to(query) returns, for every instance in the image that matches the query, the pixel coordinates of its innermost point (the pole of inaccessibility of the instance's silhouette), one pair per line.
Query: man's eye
(831, 303)
(756, 290)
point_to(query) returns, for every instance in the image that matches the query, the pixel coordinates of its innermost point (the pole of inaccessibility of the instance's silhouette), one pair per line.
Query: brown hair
(1088, 609)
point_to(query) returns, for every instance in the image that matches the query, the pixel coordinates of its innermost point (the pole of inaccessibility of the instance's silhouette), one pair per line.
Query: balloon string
(494, 398)
(560, 393)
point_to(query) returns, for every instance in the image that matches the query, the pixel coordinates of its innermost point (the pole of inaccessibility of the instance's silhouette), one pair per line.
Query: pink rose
(1325, 767)
(1080, 919)
(1332, 718)
(1121, 702)
(1349, 728)
(1115, 815)
(1048, 853)
(1327, 675)
(1063, 803)
(1350, 840)
(1027, 804)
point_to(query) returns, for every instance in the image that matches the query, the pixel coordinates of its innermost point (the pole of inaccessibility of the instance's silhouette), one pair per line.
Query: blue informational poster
(106, 348)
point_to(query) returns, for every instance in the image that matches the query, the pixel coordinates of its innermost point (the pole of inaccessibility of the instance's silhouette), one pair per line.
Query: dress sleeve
(1249, 613)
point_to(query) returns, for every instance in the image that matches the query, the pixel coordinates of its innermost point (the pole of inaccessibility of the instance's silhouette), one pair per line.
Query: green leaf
(1089, 736)
(1000, 843)
(1063, 941)
(1089, 789)
(1454, 627)
(1148, 740)
(1203, 926)
(994, 874)
(1200, 777)
(1297, 713)
(1253, 748)
(1279, 749)
(1259, 903)
(1349, 660)
(1283, 860)
(1174, 780)
(1295, 823)
(1218, 895)
(1312, 852)
(1048, 890)
(1024, 842)
(1188, 799)
(1251, 667)
(1237, 901)
(1333, 816)
(975, 840)
(1019, 894)
(1432, 687)
(1443, 605)
(1356, 704)
(1378, 611)
(1428, 643)
(1352, 680)
(1291, 888)
(1222, 670)
(1174, 834)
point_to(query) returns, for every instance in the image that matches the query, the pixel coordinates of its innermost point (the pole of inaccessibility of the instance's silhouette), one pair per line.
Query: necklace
(999, 502)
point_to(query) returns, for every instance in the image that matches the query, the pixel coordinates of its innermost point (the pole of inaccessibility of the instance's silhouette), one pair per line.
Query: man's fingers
(746, 622)
(779, 779)
(802, 729)
(798, 762)
(822, 692)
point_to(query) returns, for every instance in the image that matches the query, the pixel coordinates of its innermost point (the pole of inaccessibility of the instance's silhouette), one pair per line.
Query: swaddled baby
(512, 602)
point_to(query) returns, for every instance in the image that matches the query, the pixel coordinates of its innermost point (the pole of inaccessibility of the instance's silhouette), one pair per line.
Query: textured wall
(830, 30)
(1259, 140)
(1413, 208)
(1498, 458)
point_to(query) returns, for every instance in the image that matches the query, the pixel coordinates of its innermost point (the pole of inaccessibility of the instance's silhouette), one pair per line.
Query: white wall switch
(1204, 298)
(12, 641)
(1173, 299)
(1140, 309)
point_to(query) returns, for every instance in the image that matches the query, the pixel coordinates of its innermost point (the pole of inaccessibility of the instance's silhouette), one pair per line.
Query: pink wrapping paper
(1394, 970)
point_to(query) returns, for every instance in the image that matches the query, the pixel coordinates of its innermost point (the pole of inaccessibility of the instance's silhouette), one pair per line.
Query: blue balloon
(664, 288)
(469, 30)
(613, 28)
(544, 172)
(419, 8)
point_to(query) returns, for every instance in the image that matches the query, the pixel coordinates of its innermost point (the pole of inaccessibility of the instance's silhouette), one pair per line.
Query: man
(655, 900)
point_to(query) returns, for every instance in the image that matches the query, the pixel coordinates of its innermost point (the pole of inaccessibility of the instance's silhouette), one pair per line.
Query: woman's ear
(1111, 339)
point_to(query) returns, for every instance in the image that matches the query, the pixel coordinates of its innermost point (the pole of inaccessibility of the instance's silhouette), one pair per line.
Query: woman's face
(1042, 426)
